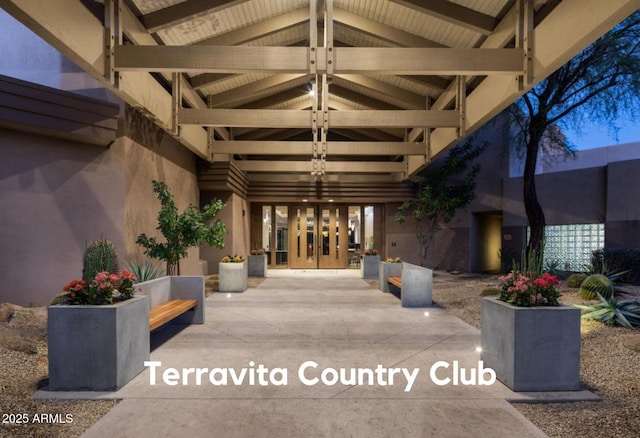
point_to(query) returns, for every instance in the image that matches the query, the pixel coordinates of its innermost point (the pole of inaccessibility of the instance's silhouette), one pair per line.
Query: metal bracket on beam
(176, 102)
(112, 38)
(524, 40)
(314, 116)
(427, 136)
(313, 37)
(461, 104)
(328, 36)
(211, 132)
(325, 118)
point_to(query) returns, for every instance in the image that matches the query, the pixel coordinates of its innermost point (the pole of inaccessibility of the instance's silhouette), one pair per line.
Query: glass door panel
(333, 245)
(302, 247)
(282, 235)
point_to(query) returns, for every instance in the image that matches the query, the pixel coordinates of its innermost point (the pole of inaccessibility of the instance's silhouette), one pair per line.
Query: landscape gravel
(609, 367)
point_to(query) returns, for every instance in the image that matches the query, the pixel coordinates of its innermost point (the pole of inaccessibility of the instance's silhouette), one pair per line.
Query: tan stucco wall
(57, 195)
(235, 215)
(170, 163)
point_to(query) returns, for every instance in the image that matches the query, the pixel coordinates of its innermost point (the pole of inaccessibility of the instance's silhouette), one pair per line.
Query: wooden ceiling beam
(182, 12)
(453, 13)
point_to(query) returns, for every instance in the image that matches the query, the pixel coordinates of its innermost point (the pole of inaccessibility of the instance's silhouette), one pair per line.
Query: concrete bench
(177, 299)
(415, 285)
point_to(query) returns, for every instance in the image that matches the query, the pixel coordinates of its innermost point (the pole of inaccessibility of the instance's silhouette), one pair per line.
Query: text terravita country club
(310, 373)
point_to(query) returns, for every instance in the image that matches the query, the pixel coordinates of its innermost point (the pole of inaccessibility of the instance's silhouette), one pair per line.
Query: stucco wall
(57, 195)
(622, 229)
(235, 215)
(168, 162)
(574, 197)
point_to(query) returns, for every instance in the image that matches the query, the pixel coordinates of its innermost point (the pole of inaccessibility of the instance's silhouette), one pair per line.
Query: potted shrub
(370, 261)
(182, 231)
(391, 267)
(257, 263)
(233, 274)
(529, 339)
(98, 332)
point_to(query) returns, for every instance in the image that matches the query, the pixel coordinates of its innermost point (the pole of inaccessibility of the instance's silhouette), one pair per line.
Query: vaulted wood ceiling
(290, 89)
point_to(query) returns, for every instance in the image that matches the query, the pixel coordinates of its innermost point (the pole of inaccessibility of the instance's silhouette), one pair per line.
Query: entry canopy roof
(305, 89)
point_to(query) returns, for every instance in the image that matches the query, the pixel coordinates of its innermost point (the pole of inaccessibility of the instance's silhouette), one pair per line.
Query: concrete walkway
(336, 320)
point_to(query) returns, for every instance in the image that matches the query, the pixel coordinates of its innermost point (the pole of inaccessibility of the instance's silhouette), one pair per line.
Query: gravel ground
(610, 364)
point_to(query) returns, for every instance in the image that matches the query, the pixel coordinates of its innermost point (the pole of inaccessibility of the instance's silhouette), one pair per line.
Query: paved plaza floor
(322, 321)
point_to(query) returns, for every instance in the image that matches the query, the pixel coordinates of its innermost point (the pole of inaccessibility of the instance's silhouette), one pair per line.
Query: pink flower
(125, 274)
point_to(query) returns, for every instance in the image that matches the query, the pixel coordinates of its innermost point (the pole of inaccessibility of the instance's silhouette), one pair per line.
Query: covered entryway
(316, 235)
(317, 238)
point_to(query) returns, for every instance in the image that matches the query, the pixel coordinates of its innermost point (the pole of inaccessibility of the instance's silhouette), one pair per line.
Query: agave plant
(613, 311)
(145, 270)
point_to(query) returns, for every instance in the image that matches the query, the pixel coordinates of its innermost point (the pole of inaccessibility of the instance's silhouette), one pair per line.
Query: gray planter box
(97, 348)
(417, 284)
(257, 265)
(386, 270)
(532, 348)
(370, 266)
(233, 277)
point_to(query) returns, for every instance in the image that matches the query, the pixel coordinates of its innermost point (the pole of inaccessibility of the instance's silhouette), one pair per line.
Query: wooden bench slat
(396, 281)
(165, 312)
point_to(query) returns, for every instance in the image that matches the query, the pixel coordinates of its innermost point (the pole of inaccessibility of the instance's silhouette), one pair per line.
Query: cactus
(575, 280)
(596, 284)
(100, 255)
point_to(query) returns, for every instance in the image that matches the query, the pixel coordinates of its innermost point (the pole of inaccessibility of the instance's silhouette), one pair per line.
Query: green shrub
(489, 291)
(100, 255)
(575, 280)
(596, 284)
(182, 231)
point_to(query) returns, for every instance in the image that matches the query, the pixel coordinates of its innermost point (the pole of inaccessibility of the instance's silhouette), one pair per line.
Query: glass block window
(572, 245)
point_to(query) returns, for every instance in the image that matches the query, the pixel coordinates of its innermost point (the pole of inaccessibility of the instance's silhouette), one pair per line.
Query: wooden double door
(318, 236)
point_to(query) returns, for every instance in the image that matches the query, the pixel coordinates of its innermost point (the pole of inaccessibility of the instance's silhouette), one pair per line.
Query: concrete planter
(233, 277)
(370, 266)
(257, 265)
(417, 285)
(97, 348)
(386, 270)
(532, 348)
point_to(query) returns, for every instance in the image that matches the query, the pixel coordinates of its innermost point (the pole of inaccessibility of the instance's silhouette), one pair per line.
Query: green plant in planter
(101, 282)
(182, 231)
(612, 311)
(594, 285)
(232, 259)
(99, 256)
(145, 270)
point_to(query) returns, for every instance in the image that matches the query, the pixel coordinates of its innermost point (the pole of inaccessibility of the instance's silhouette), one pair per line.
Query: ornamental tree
(182, 231)
(441, 192)
(597, 85)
